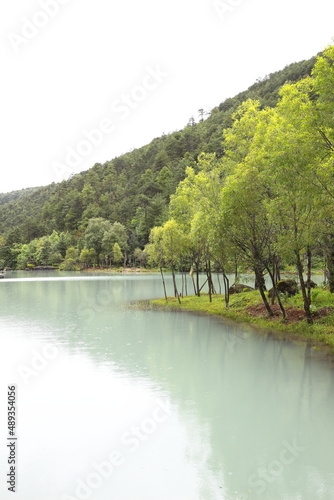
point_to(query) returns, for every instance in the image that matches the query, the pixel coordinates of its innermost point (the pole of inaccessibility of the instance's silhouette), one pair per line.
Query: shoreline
(121, 270)
(320, 335)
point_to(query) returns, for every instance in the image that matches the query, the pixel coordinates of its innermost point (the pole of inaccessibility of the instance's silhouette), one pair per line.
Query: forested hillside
(132, 190)
(268, 202)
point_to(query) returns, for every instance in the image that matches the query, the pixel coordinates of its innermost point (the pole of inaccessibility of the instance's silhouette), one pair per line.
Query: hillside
(133, 189)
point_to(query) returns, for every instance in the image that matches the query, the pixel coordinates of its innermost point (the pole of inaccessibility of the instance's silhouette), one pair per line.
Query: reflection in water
(251, 417)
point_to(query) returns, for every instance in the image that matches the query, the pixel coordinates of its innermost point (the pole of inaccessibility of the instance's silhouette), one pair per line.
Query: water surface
(119, 403)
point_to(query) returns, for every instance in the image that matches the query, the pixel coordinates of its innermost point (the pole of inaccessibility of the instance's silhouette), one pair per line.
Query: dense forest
(250, 186)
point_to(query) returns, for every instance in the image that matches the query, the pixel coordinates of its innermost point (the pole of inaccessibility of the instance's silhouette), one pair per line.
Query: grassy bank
(247, 307)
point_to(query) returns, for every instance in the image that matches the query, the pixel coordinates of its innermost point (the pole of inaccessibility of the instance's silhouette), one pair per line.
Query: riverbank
(247, 308)
(122, 270)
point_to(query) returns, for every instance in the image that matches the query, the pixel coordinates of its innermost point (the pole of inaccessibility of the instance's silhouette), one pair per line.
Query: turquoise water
(119, 403)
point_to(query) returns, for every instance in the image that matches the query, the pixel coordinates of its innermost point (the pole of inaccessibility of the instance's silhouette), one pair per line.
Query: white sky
(91, 54)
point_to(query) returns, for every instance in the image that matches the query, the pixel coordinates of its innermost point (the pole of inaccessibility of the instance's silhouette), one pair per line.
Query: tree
(43, 251)
(95, 231)
(71, 260)
(87, 257)
(197, 199)
(173, 245)
(246, 223)
(154, 250)
(238, 138)
(116, 233)
(293, 150)
(63, 243)
(117, 253)
(23, 257)
(323, 80)
(140, 256)
(201, 114)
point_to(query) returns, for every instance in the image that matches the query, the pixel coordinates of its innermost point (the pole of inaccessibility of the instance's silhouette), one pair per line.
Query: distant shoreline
(123, 270)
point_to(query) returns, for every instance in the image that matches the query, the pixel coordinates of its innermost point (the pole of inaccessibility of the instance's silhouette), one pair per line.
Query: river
(118, 403)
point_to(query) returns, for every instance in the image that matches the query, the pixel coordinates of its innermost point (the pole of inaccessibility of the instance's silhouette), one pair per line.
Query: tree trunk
(309, 272)
(212, 290)
(303, 289)
(191, 273)
(195, 291)
(176, 293)
(325, 269)
(273, 280)
(219, 284)
(208, 273)
(259, 280)
(198, 293)
(226, 289)
(205, 282)
(276, 269)
(163, 282)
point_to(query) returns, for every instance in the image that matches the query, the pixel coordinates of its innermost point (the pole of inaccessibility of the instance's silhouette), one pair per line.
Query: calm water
(116, 403)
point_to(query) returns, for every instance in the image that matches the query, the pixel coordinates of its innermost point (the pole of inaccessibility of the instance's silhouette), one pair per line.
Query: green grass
(320, 334)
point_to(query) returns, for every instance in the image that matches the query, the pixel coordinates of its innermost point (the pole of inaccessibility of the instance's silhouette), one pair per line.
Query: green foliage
(140, 256)
(117, 255)
(271, 196)
(48, 250)
(71, 260)
(87, 257)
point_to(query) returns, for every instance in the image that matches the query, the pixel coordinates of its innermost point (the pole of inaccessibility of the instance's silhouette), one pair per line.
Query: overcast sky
(85, 81)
